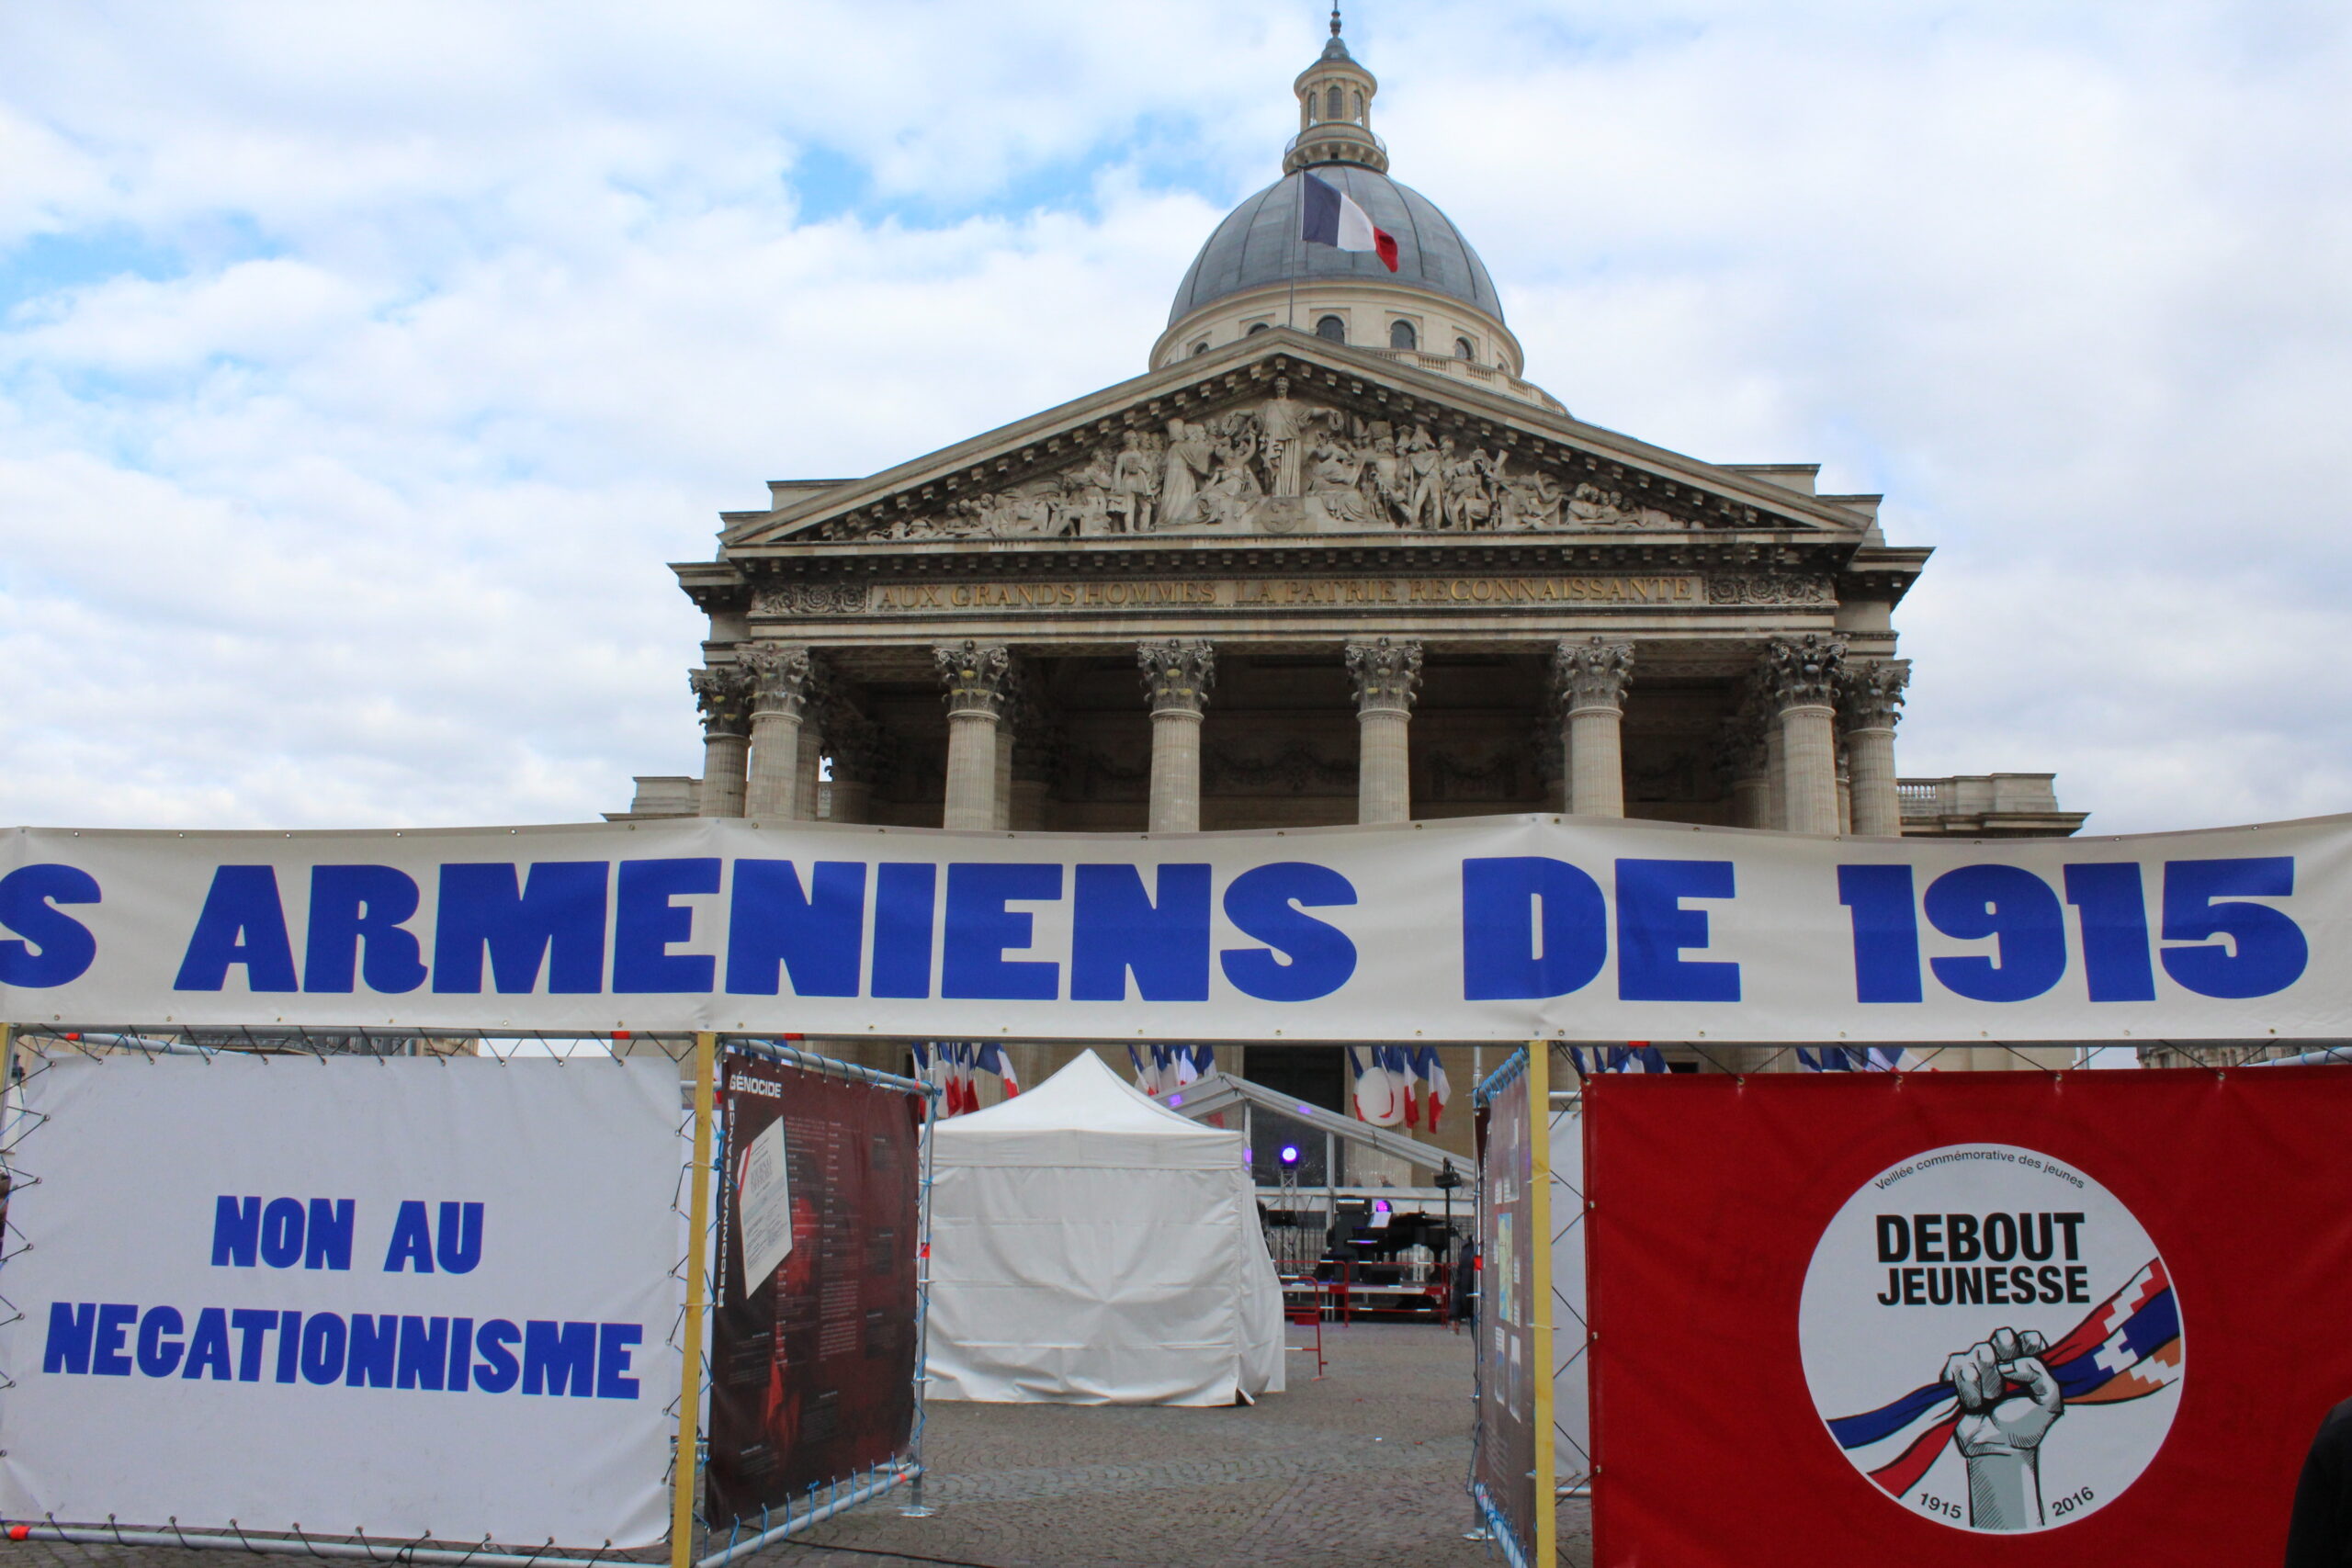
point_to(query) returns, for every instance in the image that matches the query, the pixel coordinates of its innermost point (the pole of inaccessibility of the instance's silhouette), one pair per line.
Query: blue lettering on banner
(1531, 926)
(2013, 908)
(461, 1361)
(2264, 951)
(559, 1357)
(423, 1360)
(70, 1325)
(318, 1236)
(243, 922)
(236, 1232)
(207, 1347)
(411, 1244)
(1117, 928)
(109, 1357)
(1654, 930)
(397, 1351)
(1304, 958)
(290, 1343)
(554, 921)
(1886, 932)
(458, 1245)
(2219, 943)
(369, 1361)
(323, 1337)
(253, 1325)
(158, 1358)
(329, 1240)
(356, 910)
(647, 923)
(616, 1342)
(980, 927)
(906, 897)
(281, 1233)
(494, 1342)
(50, 948)
(813, 935)
(2114, 916)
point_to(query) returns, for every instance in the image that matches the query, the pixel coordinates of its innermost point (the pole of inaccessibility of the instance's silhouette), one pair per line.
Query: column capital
(1178, 673)
(976, 676)
(723, 692)
(1803, 671)
(1388, 673)
(783, 676)
(1592, 674)
(1872, 689)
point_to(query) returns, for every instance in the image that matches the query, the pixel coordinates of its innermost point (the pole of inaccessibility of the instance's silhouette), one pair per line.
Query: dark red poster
(812, 1362)
(1970, 1319)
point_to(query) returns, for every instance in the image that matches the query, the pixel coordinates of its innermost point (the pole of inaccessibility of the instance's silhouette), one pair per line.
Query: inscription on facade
(1227, 594)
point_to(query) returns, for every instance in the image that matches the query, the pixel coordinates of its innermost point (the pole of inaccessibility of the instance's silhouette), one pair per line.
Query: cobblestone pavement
(1363, 1469)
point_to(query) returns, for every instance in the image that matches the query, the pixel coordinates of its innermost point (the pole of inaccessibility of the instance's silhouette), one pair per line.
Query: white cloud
(358, 511)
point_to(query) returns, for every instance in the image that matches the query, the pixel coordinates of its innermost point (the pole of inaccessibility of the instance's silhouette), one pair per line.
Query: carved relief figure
(1423, 479)
(1226, 498)
(1188, 454)
(1134, 482)
(1282, 421)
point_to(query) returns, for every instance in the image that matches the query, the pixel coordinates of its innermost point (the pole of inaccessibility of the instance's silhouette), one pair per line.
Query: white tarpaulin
(410, 1296)
(1090, 1247)
(1499, 928)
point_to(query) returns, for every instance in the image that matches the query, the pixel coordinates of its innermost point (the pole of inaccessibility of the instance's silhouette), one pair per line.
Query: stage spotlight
(1290, 1154)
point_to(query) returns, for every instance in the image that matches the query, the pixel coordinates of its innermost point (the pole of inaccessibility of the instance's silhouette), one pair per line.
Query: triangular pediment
(1283, 436)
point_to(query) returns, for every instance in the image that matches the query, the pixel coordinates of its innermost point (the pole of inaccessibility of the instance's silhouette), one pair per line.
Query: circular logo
(1992, 1338)
(1380, 1097)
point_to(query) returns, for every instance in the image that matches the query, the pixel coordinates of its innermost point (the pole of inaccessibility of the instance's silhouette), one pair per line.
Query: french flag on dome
(1332, 218)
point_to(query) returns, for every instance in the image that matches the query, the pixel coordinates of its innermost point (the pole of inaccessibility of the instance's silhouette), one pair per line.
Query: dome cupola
(1437, 311)
(1335, 97)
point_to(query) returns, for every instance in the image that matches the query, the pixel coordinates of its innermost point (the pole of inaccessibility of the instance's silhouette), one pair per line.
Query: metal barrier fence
(694, 1541)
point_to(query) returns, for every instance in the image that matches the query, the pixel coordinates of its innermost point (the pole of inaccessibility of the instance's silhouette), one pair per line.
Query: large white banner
(1499, 928)
(409, 1297)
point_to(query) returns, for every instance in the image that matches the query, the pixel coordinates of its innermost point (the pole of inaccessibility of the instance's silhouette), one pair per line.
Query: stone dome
(1257, 244)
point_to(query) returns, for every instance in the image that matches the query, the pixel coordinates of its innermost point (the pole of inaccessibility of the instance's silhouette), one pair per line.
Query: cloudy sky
(362, 366)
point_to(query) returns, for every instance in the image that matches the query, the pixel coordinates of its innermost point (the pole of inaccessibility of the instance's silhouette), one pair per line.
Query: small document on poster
(764, 1198)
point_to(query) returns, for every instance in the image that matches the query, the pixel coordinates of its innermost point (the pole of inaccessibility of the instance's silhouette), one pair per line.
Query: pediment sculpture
(1280, 466)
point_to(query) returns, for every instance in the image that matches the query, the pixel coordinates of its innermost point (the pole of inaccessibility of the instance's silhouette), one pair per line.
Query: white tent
(1089, 1246)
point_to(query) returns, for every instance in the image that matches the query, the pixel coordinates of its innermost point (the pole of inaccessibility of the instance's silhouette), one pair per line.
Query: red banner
(1859, 1319)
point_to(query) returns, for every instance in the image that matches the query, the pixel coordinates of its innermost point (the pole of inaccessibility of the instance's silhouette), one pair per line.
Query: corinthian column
(1387, 675)
(1592, 677)
(1873, 693)
(781, 673)
(1804, 674)
(1177, 675)
(722, 695)
(976, 675)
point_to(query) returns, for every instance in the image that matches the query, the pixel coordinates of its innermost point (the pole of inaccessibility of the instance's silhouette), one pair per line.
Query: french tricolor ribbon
(1332, 218)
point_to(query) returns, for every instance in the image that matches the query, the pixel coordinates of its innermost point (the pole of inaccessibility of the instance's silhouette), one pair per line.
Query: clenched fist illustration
(2008, 1402)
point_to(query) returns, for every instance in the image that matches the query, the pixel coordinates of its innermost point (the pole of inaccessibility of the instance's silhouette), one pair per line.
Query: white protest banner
(764, 1198)
(409, 1297)
(1499, 928)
